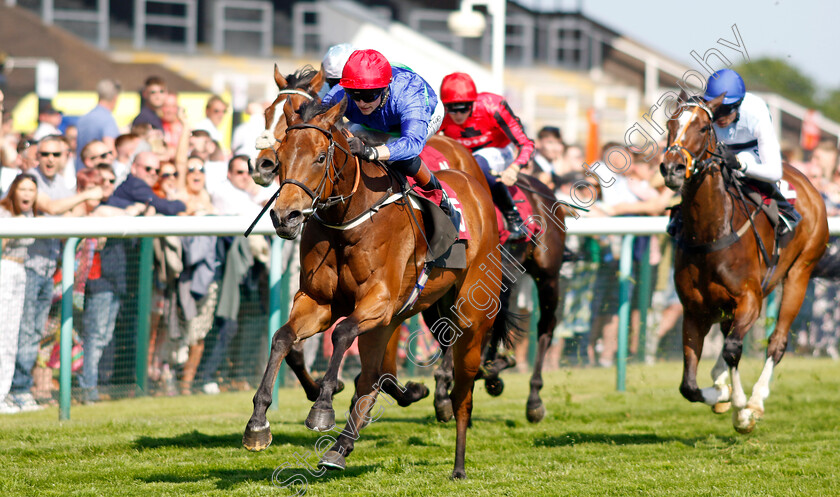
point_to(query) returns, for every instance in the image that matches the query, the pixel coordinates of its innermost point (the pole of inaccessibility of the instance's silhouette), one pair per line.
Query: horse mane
(311, 109)
(301, 78)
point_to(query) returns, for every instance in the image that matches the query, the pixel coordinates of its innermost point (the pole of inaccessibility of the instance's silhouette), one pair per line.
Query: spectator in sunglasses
(137, 187)
(54, 197)
(389, 99)
(214, 113)
(95, 153)
(154, 96)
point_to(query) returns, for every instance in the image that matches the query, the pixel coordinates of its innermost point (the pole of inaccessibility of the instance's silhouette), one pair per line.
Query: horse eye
(321, 158)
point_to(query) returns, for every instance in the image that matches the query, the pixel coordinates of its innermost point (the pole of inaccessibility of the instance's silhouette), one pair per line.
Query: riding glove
(730, 160)
(359, 149)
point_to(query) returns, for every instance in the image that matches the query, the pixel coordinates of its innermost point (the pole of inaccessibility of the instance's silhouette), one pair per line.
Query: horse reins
(711, 138)
(317, 201)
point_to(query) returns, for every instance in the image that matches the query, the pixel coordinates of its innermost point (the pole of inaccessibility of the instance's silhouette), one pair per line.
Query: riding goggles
(366, 96)
(459, 107)
(726, 109)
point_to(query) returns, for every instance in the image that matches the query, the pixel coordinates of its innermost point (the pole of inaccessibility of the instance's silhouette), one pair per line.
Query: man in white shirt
(214, 111)
(235, 195)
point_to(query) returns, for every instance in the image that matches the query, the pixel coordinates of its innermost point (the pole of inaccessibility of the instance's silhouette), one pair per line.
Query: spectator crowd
(166, 165)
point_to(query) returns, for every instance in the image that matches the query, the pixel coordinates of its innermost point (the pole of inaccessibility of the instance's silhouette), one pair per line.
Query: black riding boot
(502, 198)
(675, 223)
(790, 217)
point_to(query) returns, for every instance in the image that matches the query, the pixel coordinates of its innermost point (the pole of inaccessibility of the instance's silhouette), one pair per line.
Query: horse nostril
(266, 164)
(274, 220)
(293, 218)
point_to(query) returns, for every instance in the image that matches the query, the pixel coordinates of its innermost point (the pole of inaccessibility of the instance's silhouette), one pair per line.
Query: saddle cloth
(436, 161)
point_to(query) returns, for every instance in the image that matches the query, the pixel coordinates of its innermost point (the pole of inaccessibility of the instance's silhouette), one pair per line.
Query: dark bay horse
(541, 258)
(719, 268)
(365, 274)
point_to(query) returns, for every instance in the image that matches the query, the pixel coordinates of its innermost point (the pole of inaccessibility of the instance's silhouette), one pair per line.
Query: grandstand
(558, 62)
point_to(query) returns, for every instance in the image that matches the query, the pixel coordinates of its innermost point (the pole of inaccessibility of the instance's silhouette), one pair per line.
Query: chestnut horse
(541, 258)
(365, 272)
(719, 269)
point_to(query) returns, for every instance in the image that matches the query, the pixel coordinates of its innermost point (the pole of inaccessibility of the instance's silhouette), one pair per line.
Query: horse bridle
(317, 201)
(679, 148)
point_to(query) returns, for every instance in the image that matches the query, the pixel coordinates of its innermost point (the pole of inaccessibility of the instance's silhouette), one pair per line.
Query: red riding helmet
(457, 87)
(366, 70)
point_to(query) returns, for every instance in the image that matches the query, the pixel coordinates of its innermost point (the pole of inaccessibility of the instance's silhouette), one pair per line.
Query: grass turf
(594, 441)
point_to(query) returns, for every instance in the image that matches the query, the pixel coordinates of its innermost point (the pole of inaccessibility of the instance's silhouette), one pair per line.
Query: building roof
(81, 66)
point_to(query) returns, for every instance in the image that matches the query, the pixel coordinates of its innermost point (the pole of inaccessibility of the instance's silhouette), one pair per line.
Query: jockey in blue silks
(743, 123)
(395, 101)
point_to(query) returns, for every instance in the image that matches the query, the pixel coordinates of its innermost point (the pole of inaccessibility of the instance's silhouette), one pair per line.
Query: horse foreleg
(547, 288)
(368, 383)
(746, 312)
(369, 313)
(307, 317)
(719, 394)
(694, 333)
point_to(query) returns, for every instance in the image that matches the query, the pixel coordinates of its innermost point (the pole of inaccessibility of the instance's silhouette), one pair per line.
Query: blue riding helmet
(728, 81)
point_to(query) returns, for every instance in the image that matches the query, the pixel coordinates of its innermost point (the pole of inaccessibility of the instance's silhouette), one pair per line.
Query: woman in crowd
(19, 202)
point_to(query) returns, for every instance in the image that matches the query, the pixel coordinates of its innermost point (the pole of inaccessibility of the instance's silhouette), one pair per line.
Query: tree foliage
(778, 76)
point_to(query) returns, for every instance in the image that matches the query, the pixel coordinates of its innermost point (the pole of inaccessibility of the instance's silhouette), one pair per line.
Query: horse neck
(707, 209)
(360, 200)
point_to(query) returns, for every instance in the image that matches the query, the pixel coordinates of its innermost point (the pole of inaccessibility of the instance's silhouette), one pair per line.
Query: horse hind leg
(548, 291)
(295, 360)
(405, 395)
(793, 292)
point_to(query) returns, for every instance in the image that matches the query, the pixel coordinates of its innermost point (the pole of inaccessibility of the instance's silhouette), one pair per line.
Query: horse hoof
(721, 407)
(418, 392)
(535, 415)
(333, 460)
(320, 420)
(743, 421)
(443, 410)
(458, 474)
(257, 440)
(494, 386)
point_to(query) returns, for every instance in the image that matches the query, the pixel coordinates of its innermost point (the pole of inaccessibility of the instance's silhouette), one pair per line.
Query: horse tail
(510, 327)
(828, 267)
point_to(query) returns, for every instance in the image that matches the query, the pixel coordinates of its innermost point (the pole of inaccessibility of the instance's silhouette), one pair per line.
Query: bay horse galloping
(722, 270)
(365, 273)
(540, 257)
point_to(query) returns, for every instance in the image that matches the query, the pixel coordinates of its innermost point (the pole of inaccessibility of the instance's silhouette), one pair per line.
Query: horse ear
(292, 117)
(330, 117)
(683, 97)
(279, 79)
(318, 81)
(715, 103)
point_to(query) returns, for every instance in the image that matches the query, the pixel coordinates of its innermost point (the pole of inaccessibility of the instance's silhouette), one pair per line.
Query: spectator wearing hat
(49, 119)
